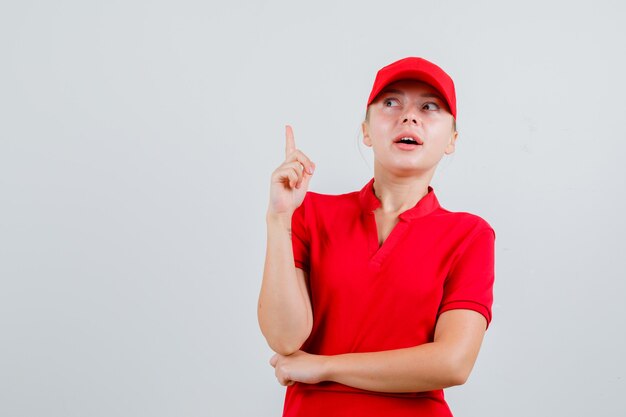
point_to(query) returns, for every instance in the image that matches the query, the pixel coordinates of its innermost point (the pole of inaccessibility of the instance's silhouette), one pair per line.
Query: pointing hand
(290, 181)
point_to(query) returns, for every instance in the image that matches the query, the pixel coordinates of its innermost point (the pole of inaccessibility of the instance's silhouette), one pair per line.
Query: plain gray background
(136, 143)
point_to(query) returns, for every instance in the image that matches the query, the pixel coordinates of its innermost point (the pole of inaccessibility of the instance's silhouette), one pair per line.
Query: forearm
(422, 368)
(445, 362)
(284, 309)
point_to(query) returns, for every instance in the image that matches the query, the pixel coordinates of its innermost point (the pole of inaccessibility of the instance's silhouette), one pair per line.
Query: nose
(411, 116)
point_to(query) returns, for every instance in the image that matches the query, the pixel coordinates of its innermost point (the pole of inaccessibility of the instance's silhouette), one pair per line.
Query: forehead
(408, 87)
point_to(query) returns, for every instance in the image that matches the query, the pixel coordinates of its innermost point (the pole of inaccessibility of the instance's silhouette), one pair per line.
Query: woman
(391, 294)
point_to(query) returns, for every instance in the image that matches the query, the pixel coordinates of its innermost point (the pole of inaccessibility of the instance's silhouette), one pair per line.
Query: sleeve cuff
(467, 305)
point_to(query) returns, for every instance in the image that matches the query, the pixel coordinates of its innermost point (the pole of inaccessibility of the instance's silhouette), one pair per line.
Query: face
(409, 128)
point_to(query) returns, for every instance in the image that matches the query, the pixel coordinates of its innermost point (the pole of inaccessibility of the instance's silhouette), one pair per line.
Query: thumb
(306, 179)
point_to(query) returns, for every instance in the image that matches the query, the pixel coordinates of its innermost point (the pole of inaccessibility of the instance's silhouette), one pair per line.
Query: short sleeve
(469, 284)
(300, 237)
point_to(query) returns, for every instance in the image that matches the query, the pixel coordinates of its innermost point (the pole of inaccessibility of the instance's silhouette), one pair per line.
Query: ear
(366, 136)
(451, 145)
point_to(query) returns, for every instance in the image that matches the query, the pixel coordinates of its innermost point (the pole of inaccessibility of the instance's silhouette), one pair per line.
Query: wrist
(278, 218)
(327, 367)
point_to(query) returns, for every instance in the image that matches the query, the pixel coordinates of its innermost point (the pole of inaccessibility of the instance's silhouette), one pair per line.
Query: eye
(431, 106)
(390, 102)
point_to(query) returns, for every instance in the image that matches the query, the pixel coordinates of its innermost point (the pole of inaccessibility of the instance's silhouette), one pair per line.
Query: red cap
(419, 69)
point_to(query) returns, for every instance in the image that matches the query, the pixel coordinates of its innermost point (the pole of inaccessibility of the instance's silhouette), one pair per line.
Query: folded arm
(445, 362)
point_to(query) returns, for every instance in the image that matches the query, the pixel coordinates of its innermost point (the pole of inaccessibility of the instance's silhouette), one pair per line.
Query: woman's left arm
(445, 362)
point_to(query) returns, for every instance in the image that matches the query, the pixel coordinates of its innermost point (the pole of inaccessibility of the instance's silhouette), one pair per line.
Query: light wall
(136, 143)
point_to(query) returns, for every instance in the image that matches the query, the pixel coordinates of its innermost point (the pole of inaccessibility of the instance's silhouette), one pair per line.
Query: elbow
(281, 340)
(458, 371)
(457, 367)
(284, 348)
(286, 344)
(458, 377)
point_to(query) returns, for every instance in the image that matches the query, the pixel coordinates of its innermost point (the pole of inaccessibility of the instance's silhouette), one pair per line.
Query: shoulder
(328, 203)
(326, 210)
(464, 222)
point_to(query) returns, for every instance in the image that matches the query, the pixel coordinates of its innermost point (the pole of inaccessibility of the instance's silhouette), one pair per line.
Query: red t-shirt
(367, 298)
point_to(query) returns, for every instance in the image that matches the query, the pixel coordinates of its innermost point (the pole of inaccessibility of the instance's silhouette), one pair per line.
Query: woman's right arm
(284, 309)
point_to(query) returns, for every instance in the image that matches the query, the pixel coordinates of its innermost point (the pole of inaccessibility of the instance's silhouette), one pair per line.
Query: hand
(290, 181)
(299, 367)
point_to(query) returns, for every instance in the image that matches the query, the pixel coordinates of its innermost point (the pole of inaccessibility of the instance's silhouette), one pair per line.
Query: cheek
(379, 127)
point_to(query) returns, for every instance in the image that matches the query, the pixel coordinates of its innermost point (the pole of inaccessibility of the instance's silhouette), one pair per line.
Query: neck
(398, 194)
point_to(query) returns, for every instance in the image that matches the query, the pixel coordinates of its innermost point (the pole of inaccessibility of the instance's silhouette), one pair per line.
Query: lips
(409, 139)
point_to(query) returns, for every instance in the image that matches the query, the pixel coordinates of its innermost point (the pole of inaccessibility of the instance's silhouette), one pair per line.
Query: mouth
(409, 140)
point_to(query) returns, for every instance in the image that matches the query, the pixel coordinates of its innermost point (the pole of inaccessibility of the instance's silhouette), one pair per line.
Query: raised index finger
(290, 142)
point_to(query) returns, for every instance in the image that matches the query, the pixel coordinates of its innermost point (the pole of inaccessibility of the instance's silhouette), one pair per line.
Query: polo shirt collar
(428, 203)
